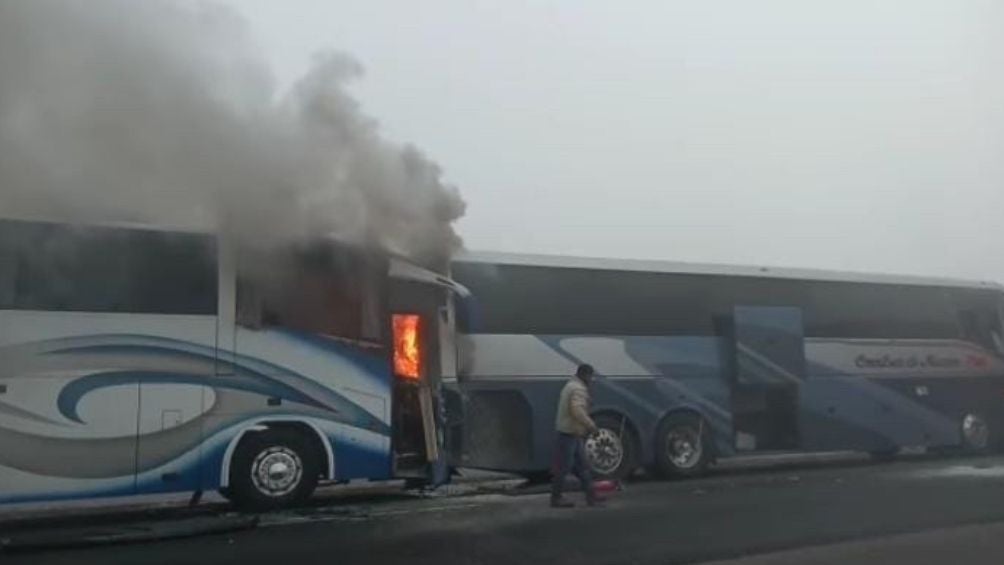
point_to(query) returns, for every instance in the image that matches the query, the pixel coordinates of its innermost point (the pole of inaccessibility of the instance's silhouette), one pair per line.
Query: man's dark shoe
(561, 503)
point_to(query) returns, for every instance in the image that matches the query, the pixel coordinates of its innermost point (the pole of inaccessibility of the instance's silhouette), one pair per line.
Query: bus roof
(654, 266)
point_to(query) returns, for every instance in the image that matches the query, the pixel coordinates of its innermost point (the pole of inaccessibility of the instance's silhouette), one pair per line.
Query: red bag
(606, 486)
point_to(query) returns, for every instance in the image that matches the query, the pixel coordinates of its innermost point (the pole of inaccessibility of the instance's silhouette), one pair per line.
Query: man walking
(573, 425)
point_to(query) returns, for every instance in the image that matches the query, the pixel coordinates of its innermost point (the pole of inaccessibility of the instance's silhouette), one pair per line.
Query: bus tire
(683, 446)
(273, 469)
(613, 451)
(977, 436)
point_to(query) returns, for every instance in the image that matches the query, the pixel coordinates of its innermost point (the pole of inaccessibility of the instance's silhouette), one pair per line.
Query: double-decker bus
(139, 360)
(699, 362)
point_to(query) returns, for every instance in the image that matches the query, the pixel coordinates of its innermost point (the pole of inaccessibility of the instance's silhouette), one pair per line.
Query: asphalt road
(720, 517)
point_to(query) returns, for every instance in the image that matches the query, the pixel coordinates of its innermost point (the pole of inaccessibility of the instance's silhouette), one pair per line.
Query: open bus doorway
(768, 370)
(419, 320)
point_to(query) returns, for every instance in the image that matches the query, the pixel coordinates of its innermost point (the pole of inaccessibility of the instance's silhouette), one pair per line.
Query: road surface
(831, 511)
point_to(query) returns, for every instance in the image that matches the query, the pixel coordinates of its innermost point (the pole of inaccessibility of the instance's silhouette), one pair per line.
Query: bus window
(8, 275)
(59, 267)
(321, 290)
(519, 299)
(879, 311)
(979, 320)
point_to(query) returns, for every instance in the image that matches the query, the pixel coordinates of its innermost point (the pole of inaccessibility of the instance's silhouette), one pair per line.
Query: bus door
(423, 354)
(769, 366)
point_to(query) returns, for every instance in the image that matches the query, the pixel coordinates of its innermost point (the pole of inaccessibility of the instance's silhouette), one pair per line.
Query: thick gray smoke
(163, 112)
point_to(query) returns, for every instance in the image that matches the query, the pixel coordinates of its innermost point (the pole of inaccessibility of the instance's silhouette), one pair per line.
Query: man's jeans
(570, 455)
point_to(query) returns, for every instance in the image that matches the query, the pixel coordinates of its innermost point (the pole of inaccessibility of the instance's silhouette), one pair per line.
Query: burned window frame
(271, 283)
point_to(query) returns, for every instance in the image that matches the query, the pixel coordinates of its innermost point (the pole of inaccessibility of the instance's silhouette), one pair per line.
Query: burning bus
(141, 360)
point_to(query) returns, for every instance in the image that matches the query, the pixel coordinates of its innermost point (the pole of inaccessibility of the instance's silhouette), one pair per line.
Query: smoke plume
(164, 112)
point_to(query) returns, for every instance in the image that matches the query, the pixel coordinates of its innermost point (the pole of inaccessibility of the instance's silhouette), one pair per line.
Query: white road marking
(989, 471)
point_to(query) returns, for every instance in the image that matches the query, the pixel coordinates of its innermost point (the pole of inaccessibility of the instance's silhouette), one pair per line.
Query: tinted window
(846, 310)
(71, 268)
(979, 318)
(550, 300)
(852, 310)
(547, 300)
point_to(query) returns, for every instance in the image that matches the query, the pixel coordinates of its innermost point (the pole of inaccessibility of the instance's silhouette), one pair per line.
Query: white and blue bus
(699, 362)
(137, 360)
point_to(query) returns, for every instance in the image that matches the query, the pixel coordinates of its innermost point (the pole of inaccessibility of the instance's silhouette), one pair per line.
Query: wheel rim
(276, 471)
(975, 431)
(606, 451)
(683, 447)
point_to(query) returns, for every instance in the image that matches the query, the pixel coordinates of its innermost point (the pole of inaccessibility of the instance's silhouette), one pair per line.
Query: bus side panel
(512, 383)
(339, 388)
(509, 422)
(874, 414)
(693, 374)
(39, 449)
(70, 420)
(170, 435)
(853, 413)
(875, 395)
(952, 399)
(509, 385)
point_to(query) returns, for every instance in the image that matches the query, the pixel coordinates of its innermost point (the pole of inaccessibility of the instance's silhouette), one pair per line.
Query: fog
(849, 135)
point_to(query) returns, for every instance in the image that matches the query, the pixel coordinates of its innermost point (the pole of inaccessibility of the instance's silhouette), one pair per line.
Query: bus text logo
(906, 362)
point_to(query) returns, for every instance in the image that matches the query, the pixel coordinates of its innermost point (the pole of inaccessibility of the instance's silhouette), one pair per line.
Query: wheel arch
(629, 424)
(689, 411)
(631, 427)
(308, 429)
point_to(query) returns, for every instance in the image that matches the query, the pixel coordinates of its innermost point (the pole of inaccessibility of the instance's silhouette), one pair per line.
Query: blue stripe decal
(70, 395)
(250, 375)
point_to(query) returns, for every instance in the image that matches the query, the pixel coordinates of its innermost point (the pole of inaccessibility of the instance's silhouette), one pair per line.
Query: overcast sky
(847, 134)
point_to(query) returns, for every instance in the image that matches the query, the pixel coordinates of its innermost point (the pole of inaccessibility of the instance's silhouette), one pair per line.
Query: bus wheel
(273, 469)
(613, 451)
(683, 447)
(975, 433)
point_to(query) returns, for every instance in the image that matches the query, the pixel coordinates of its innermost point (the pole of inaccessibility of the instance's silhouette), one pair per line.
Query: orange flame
(407, 348)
